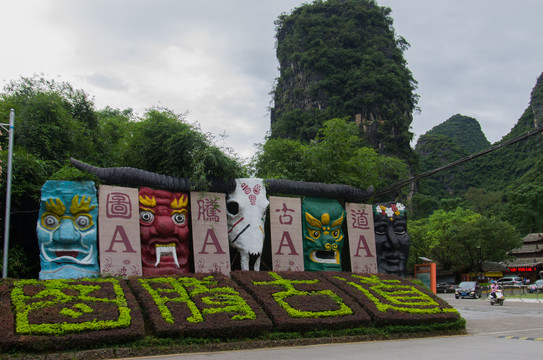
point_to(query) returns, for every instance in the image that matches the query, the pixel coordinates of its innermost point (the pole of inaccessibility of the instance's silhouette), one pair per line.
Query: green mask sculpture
(323, 238)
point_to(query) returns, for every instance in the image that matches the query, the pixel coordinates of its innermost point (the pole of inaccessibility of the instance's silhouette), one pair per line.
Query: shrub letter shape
(393, 300)
(290, 291)
(183, 289)
(302, 300)
(76, 306)
(197, 305)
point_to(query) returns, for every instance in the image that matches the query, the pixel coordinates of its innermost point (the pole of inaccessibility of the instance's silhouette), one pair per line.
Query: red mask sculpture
(164, 232)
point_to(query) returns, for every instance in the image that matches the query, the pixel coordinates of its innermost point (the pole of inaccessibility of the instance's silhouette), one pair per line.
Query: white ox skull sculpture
(246, 214)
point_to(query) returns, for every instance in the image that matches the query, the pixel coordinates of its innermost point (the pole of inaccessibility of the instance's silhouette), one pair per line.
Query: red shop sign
(522, 269)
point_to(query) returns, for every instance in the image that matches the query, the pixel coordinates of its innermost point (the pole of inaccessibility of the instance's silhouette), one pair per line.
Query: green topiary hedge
(52, 315)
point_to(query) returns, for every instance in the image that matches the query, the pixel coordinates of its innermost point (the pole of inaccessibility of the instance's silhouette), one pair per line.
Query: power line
(403, 183)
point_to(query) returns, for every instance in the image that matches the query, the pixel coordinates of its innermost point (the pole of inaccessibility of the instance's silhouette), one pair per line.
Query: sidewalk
(540, 301)
(518, 299)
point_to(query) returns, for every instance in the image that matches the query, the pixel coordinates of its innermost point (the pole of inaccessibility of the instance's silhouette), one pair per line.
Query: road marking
(520, 338)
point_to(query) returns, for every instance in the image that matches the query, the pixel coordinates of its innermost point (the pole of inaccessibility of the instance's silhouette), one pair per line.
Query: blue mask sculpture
(66, 230)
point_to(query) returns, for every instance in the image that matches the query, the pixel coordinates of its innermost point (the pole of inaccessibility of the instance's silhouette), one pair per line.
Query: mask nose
(392, 239)
(164, 225)
(67, 233)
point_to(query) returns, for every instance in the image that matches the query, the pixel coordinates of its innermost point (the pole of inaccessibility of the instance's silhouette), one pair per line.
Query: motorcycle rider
(493, 288)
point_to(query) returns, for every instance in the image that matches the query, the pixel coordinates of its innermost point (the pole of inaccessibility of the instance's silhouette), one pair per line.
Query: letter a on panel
(286, 234)
(119, 231)
(209, 233)
(361, 238)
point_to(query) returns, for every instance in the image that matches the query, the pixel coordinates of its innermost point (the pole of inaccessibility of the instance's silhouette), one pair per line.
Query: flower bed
(55, 314)
(198, 305)
(66, 314)
(393, 301)
(301, 301)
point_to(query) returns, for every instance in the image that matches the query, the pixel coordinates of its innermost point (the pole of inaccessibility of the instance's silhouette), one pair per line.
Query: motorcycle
(498, 299)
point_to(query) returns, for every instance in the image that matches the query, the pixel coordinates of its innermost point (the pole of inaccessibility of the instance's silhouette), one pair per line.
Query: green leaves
(54, 122)
(163, 142)
(524, 206)
(342, 59)
(335, 156)
(461, 238)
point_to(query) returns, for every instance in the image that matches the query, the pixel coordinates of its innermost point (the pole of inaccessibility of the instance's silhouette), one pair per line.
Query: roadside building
(528, 262)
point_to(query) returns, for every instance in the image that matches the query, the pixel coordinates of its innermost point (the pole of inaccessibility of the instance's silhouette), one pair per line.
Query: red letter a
(213, 241)
(362, 240)
(123, 240)
(286, 241)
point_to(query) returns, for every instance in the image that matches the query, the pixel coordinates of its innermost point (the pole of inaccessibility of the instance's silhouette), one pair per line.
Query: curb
(525, 300)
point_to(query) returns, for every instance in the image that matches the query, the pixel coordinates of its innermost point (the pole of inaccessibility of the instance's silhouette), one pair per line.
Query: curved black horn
(134, 177)
(137, 177)
(222, 186)
(332, 191)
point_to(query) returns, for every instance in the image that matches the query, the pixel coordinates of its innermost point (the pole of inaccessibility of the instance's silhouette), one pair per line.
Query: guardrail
(515, 291)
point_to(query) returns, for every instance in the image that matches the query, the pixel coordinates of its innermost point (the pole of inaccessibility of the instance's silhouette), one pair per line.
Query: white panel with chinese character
(286, 234)
(361, 238)
(119, 231)
(209, 233)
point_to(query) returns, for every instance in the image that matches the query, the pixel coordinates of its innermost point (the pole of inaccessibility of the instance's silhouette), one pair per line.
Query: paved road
(512, 331)
(514, 318)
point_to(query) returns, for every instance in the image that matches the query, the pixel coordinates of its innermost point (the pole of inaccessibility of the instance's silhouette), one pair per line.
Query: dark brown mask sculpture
(391, 238)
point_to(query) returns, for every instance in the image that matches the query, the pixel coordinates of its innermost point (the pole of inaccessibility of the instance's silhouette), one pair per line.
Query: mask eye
(380, 230)
(51, 222)
(335, 233)
(179, 219)
(232, 207)
(83, 222)
(400, 229)
(146, 217)
(315, 234)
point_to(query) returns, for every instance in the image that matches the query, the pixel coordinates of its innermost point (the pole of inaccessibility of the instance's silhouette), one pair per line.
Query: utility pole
(8, 192)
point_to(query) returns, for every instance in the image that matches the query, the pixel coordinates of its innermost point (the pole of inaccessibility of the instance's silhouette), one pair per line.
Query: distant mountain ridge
(464, 131)
(460, 136)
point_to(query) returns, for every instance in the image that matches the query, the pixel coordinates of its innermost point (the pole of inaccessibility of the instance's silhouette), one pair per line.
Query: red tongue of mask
(67, 253)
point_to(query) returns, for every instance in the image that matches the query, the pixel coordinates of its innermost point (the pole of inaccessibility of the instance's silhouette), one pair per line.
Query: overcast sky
(216, 58)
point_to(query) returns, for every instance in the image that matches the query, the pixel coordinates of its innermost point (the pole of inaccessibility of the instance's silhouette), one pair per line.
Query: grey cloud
(480, 58)
(107, 82)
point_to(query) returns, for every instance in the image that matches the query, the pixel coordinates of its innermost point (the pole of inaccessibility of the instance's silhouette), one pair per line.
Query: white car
(511, 281)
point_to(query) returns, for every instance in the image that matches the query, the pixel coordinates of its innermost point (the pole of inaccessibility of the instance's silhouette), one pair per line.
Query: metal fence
(515, 291)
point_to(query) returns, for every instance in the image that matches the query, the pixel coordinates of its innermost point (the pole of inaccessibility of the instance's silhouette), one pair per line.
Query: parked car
(536, 287)
(510, 281)
(445, 288)
(468, 289)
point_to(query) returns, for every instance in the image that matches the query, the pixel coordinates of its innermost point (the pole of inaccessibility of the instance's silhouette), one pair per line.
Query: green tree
(453, 238)
(341, 58)
(163, 142)
(485, 202)
(420, 241)
(335, 156)
(52, 120)
(422, 206)
(115, 129)
(524, 207)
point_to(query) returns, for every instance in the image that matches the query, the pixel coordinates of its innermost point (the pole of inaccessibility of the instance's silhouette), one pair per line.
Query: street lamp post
(480, 263)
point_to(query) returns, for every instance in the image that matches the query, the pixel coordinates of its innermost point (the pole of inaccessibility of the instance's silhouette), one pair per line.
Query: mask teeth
(167, 250)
